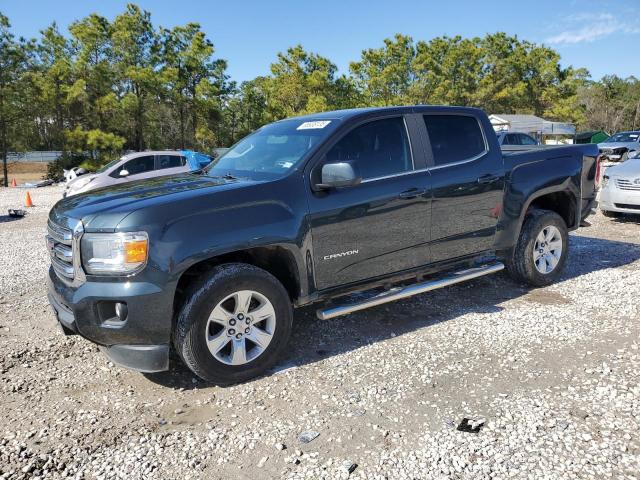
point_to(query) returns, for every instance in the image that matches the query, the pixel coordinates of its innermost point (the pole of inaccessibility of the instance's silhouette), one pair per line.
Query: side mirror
(339, 174)
(124, 173)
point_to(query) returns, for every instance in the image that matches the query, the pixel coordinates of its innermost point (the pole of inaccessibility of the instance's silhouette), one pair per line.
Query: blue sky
(603, 36)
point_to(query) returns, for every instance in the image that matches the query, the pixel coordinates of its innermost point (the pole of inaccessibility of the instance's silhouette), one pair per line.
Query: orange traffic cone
(13, 183)
(27, 201)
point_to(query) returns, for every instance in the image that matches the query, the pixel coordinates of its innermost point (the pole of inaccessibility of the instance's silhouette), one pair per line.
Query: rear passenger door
(169, 164)
(467, 181)
(380, 226)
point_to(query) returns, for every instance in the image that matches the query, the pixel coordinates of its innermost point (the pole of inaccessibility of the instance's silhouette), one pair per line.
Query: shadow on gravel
(7, 218)
(626, 219)
(314, 340)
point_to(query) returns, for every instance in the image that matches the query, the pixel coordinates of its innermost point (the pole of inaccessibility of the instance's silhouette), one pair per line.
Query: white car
(137, 166)
(621, 188)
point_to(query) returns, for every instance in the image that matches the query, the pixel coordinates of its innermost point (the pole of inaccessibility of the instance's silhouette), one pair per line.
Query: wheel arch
(276, 260)
(559, 199)
(562, 202)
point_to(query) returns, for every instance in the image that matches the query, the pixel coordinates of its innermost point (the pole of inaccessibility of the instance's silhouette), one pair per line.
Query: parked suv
(138, 166)
(516, 138)
(307, 210)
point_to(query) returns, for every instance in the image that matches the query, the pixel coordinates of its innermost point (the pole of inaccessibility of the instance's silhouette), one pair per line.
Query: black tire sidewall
(190, 340)
(535, 223)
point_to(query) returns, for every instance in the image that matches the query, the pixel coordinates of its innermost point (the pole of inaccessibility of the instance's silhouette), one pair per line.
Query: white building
(535, 126)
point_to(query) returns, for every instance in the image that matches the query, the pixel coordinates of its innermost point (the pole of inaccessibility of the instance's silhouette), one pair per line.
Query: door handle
(412, 193)
(488, 178)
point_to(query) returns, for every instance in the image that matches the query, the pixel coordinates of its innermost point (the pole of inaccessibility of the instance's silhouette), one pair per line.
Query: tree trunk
(139, 120)
(194, 113)
(182, 128)
(3, 146)
(3, 143)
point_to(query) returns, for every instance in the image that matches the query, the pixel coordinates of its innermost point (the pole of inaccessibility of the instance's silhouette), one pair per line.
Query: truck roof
(358, 112)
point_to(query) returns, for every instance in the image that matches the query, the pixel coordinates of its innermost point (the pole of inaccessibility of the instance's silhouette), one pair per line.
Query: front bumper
(613, 199)
(140, 341)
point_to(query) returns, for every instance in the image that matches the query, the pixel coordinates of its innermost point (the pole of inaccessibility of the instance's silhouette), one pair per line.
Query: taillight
(597, 179)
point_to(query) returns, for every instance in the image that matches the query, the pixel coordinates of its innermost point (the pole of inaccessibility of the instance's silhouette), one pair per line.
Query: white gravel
(553, 374)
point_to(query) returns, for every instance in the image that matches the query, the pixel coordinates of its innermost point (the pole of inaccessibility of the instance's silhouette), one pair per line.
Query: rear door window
(170, 161)
(526, 140)
(454, 138)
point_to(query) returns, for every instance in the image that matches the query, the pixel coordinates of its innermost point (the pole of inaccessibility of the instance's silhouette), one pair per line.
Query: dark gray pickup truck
(391, 201)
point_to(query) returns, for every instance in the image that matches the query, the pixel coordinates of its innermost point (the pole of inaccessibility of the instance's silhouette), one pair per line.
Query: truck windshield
(623, 137)
(273, 150)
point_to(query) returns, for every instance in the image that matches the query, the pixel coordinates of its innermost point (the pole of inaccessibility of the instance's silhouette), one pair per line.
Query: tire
(610, 214)
(522, 265)
(199, 332)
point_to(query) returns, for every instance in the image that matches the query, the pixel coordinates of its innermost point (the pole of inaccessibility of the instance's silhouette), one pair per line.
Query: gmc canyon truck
(392, 202)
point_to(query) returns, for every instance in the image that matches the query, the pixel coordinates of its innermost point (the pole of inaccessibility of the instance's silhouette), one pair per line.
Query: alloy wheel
(547, 249)
(240, 327)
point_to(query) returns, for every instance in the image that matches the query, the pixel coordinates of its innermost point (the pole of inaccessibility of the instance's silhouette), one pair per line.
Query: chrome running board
(399, 293)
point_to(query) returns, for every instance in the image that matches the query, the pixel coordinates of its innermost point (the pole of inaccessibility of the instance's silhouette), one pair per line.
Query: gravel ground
(551, 375)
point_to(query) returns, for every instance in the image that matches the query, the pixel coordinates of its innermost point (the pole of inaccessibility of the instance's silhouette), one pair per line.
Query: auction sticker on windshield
(312, 125)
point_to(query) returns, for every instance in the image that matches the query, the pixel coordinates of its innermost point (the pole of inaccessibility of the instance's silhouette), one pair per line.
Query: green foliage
(126, 84)
(55, 169)
(613, 104)
(15, 61)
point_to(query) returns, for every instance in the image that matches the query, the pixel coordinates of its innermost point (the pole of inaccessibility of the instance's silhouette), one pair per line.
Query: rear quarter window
(454, 138)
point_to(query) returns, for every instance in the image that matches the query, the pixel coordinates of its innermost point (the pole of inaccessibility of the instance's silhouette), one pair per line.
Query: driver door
(380, 226)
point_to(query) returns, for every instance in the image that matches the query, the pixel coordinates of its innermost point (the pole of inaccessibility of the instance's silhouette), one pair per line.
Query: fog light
(121, 311)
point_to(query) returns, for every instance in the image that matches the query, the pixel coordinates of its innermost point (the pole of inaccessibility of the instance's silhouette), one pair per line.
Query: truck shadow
(314, 340)
(626, 219)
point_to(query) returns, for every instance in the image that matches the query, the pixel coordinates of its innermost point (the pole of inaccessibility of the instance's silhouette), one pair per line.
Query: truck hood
(104, 208)
(629, 169)
(615, 145)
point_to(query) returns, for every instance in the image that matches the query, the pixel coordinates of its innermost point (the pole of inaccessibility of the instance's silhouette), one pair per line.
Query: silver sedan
(621, 189)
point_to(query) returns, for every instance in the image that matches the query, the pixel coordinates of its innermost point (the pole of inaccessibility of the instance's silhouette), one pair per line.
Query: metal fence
(34, 156)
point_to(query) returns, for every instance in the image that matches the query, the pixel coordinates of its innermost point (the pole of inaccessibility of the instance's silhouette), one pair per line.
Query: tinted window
(378, 148)
(171, 161)
(527, 140)
(454, 137)
(139, 165)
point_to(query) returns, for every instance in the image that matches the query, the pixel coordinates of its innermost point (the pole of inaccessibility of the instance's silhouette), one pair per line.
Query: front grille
(624, 184)
(628, 206)
(60, 245)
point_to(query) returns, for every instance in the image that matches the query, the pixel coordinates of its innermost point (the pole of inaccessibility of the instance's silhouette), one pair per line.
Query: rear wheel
(541, 251)
(234, 324)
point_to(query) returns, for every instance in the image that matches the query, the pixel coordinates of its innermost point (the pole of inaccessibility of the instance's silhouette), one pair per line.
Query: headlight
(114, 253)
(79, 184)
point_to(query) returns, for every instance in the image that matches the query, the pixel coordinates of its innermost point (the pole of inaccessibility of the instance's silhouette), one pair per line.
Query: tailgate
(589, 179)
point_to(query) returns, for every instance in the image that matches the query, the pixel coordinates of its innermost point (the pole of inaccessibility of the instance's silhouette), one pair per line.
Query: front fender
(201, 228)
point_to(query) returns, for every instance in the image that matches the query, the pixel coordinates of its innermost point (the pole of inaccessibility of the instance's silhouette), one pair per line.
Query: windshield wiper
(229, 176)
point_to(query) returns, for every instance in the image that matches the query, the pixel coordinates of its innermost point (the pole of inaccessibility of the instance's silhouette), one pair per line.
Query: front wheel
(234, 324)
(541, 251)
